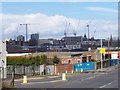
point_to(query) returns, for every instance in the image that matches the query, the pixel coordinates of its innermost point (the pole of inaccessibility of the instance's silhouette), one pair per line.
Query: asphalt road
(84, 80)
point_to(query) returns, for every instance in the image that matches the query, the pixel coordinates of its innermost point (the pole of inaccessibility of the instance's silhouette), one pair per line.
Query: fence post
(12, 83)
(95, 66)
(55, 69)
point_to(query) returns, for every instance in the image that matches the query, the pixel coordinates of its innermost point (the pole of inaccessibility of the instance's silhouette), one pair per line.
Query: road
(84, 80)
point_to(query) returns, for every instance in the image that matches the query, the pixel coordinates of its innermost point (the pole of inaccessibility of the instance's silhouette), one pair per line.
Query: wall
(3, 59)
(60, 68)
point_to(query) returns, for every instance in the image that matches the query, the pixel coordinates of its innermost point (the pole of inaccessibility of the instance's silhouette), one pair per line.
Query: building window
(78, 61)
(69, 61)
(107, 56)
(84, 59)
(89, 58)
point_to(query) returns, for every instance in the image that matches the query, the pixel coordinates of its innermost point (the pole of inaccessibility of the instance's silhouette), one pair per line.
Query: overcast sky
(50, 19)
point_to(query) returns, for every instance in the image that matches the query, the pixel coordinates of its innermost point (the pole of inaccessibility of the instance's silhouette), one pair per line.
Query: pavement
(106, 79)
(32, 78)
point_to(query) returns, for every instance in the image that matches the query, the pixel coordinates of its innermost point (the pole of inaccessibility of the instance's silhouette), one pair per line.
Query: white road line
(105, 85)
(92, 77)
(42, 82)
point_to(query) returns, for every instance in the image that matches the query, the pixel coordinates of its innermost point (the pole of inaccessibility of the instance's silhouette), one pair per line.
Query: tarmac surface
(106, 79)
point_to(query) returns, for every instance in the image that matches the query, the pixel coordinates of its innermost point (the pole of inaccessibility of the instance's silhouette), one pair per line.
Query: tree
(37, 60)
(43, 59)
(56, 60)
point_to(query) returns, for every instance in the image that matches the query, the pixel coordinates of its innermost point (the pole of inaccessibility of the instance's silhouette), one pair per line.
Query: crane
(75, 30)
(66, 28)
(88, 25)
(26, 25)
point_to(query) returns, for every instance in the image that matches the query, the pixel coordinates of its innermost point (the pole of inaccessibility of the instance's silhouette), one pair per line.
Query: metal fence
(29, 70)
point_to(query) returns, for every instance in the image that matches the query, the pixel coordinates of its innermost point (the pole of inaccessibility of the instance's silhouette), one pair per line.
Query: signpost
(102, 51)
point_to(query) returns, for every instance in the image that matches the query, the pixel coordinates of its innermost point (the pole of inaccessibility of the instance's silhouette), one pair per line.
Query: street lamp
(101, 57)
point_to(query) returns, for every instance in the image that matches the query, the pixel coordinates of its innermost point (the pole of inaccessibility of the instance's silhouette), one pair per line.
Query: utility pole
(101, 57)
(108, 48)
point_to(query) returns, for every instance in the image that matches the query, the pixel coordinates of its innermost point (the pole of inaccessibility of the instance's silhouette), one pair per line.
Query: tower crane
(26, 26)
(88, 25)
(66, 28)
(75, 30)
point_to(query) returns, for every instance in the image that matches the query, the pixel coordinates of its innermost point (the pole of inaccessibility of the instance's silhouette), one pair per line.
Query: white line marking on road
(105, 85)
(43, 82)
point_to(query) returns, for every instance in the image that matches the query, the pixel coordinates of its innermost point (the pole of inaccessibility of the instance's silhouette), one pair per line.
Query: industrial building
(20, 40)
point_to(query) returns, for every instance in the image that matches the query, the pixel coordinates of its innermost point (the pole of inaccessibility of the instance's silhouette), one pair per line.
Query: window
(107, 56)
(89, 58)
(69, 61)
(84, 59)
(78, 61)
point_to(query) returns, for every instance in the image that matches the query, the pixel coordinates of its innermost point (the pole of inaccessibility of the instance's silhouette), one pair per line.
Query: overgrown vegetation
(31, 60)
(56, 60)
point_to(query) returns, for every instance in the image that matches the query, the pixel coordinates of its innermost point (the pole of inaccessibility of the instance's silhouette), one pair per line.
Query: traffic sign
(102, 50)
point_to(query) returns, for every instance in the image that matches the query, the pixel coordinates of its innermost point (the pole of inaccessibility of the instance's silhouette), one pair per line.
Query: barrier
(63, 76)
(66, 71)
(72, 71)
(25, 79)
(84, 66)
(81, 70)
(58, 73)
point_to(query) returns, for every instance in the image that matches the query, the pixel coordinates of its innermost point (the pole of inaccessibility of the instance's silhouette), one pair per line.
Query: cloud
(54, 26)
(102, 9)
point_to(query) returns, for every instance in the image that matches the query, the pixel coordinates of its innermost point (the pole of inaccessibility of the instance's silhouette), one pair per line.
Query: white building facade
(3, 73)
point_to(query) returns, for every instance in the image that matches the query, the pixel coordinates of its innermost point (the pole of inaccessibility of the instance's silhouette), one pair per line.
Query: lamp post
(101, 57)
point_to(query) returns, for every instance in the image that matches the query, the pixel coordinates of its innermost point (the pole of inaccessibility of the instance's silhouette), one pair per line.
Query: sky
(51, 19)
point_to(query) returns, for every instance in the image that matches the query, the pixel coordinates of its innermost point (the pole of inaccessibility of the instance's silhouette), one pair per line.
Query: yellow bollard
(51, 73)
(81, 70)
(66, 71)
(72, 71)
(24, 79)
(63, 76)
(58, 73)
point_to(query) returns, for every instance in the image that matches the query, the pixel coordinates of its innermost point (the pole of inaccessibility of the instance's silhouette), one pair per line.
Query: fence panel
(29, 70)
(50, 69)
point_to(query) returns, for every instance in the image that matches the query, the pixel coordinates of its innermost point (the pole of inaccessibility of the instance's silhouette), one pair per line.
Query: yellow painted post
(66, 71)
(81, 70)
(72, 71)
(51, 73)
(58, 73)
(25, 79)
(63, 76)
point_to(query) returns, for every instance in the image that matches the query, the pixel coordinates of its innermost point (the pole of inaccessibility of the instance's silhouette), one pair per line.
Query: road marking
(43, 82)
(105, 85)
(92, 77)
